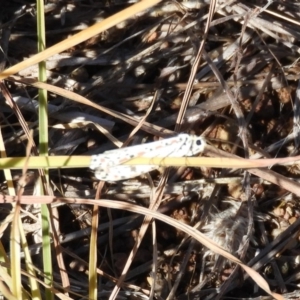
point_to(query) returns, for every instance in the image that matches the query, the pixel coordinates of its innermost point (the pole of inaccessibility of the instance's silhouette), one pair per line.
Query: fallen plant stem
(84, 162)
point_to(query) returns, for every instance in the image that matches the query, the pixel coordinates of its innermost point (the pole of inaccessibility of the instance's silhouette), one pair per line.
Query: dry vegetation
(242, 96)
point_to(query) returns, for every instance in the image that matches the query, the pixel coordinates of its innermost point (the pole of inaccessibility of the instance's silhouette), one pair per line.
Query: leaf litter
(242, 98)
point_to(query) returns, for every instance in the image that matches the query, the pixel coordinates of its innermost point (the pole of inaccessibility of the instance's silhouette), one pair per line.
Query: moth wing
(109, 165)
(109, 159)
(168, 147)
(122, 172)
(155, 149)
(120, 156)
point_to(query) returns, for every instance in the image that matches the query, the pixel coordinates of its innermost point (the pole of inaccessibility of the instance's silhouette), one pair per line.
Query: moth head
(197, 145)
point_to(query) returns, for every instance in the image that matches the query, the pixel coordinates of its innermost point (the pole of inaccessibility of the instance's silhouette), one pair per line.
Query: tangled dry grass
(231, 77)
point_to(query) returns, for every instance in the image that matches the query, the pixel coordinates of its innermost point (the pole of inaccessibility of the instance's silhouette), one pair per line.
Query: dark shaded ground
(121, 69)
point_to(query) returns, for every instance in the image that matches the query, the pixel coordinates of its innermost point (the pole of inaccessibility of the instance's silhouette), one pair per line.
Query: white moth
(109, 165)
